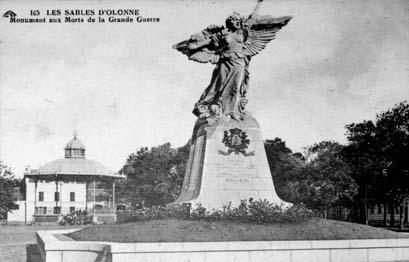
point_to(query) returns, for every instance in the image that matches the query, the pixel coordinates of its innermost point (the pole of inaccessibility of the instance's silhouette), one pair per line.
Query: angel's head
(234, 21)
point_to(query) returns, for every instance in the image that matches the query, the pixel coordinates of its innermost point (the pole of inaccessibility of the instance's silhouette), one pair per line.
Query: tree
(154, 176)
(377, 152)
(326, 181)
(285, 167)
(393, 136)
(367, 166)
(7, 184)
(321, 178)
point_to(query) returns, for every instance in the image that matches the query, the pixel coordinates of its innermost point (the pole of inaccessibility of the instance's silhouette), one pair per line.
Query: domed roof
(75, 143)
(75, 166)
(75, 163)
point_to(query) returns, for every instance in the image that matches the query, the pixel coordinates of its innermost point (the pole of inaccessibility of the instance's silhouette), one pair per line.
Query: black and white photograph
(204, 130)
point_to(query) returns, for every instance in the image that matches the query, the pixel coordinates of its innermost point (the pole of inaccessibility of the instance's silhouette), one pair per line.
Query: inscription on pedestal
(235, 171)
(237, 181)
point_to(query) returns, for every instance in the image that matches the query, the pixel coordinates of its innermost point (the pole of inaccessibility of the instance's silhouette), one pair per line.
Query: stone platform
(359, 250)
(227, 163)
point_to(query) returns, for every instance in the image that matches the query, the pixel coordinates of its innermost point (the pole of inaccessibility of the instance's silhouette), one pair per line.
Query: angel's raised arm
(261, 29)
(256, 9)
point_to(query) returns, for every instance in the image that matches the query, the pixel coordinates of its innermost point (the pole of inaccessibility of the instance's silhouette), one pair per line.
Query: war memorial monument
(227, 164)
(227, 161)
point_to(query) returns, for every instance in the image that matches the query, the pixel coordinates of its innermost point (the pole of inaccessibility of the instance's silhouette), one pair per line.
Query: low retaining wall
(52, 249)
(370, 250)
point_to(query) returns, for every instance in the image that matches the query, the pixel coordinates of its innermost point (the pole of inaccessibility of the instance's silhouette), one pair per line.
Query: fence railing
(48, 211)
(104, 211)
(51, 210)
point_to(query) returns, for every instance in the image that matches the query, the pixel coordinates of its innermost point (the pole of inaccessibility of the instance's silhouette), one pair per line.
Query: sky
(122, 86)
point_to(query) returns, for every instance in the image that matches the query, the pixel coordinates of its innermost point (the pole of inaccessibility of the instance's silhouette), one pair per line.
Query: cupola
(75, 148)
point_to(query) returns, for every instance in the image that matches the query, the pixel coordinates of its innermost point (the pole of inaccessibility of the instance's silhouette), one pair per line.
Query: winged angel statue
(230, 48)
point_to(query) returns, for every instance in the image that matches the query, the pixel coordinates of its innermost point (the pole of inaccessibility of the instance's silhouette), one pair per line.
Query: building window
(372, 209)
(57, 210)
(98, 207)
(72, 209)
(379, 209)
(41, 211)
(57, 196)
(40, 196)
(72, 196)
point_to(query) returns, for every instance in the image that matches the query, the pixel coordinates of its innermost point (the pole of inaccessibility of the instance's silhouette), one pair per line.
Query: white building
(66, 185)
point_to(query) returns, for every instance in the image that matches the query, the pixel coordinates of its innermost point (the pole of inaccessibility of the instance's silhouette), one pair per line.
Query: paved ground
(18, 242)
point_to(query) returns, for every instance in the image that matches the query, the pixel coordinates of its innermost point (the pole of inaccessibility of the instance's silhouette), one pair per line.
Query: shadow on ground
(33, 253)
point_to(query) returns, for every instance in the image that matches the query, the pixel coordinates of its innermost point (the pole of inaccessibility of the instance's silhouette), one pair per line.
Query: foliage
(77, 218)
(7, 184)
(377, 152)
(321, 178)
(154, 176)
(392, 137)
(285, 167)
(326, 179)
(151, 213)
(260, 212)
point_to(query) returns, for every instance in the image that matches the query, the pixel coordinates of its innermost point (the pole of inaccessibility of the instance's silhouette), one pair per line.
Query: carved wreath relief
(237, 142)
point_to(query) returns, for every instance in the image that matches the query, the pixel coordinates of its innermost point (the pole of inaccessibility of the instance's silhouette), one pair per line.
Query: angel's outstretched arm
(197, 45)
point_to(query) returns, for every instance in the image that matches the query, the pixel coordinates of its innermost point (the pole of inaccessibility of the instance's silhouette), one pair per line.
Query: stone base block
(227, 164)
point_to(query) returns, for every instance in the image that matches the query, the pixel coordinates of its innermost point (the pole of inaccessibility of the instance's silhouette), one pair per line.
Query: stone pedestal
(227, 163)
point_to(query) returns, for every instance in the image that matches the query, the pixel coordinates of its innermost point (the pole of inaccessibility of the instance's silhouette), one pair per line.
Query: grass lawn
(173, 230)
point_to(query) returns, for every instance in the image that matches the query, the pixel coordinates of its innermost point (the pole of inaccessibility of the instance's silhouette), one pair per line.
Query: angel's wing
(202, 55)
(260, 30)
